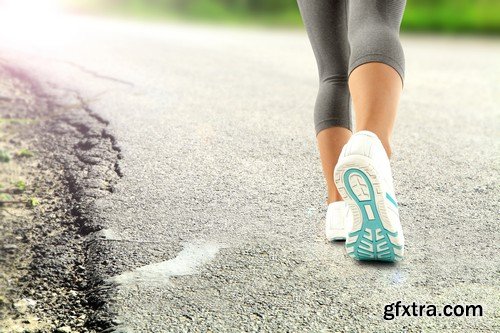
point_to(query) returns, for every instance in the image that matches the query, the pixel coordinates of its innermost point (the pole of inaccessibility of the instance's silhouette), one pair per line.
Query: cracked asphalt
(216, 223)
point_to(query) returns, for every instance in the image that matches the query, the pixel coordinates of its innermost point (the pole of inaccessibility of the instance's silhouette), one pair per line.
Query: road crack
(95, 74)
(80, 156)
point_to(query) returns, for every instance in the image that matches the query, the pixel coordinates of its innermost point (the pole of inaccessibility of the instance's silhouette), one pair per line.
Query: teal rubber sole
(372, 241)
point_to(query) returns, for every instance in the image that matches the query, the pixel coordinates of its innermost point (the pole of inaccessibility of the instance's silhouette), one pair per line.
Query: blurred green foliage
(481, 16)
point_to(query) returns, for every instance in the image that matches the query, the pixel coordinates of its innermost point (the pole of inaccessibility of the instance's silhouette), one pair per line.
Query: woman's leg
(330, 143)
(375, 90)
(363, 173)
(326, 25)
(376, 64)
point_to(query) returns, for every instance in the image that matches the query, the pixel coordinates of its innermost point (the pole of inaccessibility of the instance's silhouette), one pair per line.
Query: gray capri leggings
(345, 34)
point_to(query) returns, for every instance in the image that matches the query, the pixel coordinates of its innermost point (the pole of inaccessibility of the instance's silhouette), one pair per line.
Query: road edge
(74, 142)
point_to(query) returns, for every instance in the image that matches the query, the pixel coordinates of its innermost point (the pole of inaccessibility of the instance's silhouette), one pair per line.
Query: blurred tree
(430, 15)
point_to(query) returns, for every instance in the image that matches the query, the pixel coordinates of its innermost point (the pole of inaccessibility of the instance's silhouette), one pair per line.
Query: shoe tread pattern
(360, 187)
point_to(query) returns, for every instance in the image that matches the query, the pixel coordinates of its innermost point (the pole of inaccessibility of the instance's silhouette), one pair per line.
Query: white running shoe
(364, 179)
(338, 219)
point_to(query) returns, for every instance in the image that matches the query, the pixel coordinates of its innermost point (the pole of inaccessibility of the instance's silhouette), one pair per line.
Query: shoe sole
(370, 238)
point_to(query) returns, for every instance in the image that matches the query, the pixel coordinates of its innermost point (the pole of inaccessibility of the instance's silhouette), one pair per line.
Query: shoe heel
(358, 184)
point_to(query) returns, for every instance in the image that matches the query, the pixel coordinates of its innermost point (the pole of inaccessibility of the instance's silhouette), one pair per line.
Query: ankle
(333, 198)
(387, 147)
(382, 136)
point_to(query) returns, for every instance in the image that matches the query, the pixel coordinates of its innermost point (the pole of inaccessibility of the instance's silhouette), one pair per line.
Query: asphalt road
(217, 221)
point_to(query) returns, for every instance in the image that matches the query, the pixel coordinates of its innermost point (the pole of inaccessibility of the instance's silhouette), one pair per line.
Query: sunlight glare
(32, 22)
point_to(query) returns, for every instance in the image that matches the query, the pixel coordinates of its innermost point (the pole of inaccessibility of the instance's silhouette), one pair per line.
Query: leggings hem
(336, 122)
(382, 58)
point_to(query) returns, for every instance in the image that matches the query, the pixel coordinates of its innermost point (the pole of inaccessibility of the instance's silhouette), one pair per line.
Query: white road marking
(187, 262)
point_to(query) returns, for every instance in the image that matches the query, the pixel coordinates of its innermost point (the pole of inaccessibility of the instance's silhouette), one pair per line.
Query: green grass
(480, 16)
(451, 16)
(200, 11)
(5, 197)
(4, 156)
(24, 152)
(33, 202)
(20, 185)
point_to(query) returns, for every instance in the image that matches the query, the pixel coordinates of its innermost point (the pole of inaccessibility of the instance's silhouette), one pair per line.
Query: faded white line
(187, 262)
